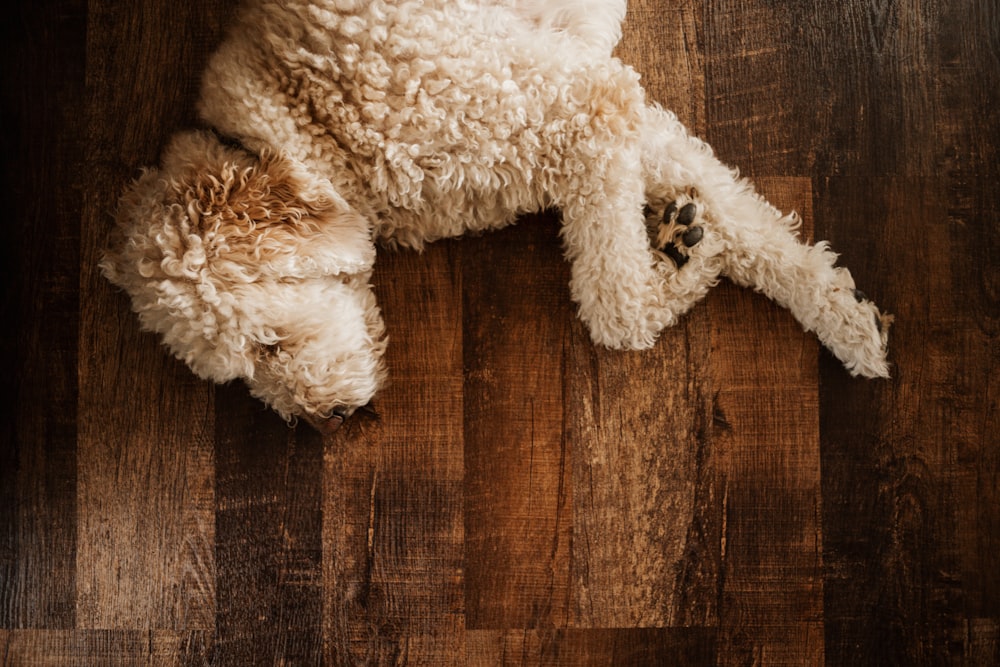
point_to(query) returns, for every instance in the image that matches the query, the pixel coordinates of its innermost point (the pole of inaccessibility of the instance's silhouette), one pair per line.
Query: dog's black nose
(339, 415)
(326, 425)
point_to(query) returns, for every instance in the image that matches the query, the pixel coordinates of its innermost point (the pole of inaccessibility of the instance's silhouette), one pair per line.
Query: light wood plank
(766, 430)
(517, 482)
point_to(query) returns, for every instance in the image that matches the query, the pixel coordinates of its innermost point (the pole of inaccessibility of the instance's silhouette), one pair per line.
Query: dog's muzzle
(330, 425)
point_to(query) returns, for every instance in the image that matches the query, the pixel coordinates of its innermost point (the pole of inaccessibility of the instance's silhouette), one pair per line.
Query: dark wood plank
(268, 528)
(145, 497)
(964, 143)
(516, 313)
(911, 467)
(393, 499)
(756, 118)
(636, 647)
(869, 63)
(42, 74)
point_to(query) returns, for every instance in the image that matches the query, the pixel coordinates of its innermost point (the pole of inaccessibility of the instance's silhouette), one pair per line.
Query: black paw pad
(677, 232)
(691, 236)
(669, 212)
(687, 214)
(673, 253)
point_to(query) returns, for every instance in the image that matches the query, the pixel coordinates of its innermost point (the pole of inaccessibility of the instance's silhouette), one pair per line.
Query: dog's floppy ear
(268, 211)
(199, 239)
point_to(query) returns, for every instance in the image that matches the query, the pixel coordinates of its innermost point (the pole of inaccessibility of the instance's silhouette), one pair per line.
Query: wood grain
(144, 497)
(920, 453)
(731, 496)
(115, 648)
(910, 483)
(393, 495)
(517, 468)
(268, 527)
(636, 647)
(765, 428)
(639, 507)
(646, 523)
(44, 70)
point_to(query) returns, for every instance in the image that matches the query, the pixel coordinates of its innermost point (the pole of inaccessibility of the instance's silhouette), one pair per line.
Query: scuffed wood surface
(731, 496)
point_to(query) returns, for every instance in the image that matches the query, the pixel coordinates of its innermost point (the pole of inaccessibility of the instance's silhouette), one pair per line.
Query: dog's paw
(677, 230)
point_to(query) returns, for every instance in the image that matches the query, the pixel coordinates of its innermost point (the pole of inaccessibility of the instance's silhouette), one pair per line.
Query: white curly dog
(336, 124)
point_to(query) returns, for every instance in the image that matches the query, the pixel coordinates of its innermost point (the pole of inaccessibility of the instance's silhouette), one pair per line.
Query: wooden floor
(731, 497)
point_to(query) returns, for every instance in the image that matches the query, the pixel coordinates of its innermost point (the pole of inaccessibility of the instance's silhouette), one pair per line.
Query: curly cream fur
(410, 121)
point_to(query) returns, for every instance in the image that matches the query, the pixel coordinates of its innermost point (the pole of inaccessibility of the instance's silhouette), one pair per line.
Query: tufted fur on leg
(348, 122)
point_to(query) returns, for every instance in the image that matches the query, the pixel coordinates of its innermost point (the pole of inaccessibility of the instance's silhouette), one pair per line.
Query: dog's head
(253, 267)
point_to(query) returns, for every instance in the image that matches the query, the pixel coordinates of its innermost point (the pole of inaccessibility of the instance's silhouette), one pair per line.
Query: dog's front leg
(626, 293)
(757, 246)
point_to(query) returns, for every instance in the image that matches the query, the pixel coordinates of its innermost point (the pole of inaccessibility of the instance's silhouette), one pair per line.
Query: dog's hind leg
(756, 245)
